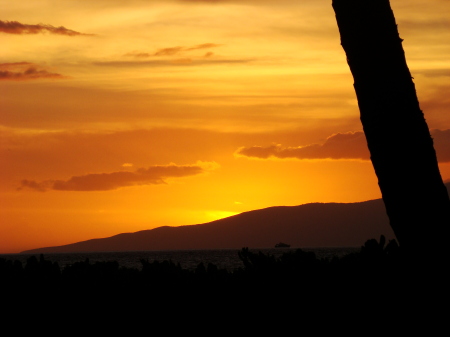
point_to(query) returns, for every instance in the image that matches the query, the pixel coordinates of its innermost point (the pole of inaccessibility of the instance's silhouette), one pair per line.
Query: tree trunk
(397, 134)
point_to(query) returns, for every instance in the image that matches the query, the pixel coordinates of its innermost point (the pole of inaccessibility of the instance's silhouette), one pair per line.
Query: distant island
(308, 225)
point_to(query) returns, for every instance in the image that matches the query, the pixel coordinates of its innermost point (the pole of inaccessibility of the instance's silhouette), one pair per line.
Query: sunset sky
(119, 116)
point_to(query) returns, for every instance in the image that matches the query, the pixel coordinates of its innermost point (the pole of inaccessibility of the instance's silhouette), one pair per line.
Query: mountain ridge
(308, 225)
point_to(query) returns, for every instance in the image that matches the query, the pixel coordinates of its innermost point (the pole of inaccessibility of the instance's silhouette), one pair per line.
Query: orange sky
(119, 116)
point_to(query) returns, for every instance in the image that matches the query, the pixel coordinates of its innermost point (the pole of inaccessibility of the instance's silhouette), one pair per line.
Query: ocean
(188, 259)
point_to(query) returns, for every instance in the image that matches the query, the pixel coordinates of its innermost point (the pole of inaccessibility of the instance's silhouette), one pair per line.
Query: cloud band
(14, 27)
(110, 181)
(344, 146)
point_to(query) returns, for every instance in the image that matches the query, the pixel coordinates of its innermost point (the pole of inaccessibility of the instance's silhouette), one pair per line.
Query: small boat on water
(282, 245)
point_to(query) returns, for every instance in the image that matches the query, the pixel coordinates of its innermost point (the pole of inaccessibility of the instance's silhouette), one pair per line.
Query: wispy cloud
(442, 72)
(24, 71)
(139, 54)
(420, 26)
(174, 62)
(273, 2)
(170, 51)
(174, 56)
(343, 146)
(15, 27)
(204, 46)
(110, 181)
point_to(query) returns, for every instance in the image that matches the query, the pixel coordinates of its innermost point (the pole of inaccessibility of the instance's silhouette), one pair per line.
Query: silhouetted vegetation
(378, 268)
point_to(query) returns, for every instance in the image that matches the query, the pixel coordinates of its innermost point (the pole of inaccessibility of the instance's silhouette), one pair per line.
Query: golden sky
(119, 116)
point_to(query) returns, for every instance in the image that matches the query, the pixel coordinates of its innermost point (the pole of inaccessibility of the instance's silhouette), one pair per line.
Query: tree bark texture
(397, 134)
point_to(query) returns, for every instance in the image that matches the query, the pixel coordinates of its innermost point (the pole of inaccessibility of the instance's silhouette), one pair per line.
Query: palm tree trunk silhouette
(397, 134)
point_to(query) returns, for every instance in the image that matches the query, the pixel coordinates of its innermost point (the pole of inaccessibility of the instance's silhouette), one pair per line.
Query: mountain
(308, 225)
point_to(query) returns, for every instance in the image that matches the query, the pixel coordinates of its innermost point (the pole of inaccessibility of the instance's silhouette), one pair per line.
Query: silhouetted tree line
(378, 267)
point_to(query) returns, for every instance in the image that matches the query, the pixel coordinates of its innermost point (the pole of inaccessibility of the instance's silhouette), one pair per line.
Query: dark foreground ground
(376, 283)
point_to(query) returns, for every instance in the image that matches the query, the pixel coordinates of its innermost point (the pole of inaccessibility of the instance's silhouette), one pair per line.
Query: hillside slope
(309, 225)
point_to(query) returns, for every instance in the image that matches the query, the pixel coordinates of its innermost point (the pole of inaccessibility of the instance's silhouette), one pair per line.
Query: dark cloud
(14, 27)
(348, 146)
(24, 71)
(111, 181)
(41, 187)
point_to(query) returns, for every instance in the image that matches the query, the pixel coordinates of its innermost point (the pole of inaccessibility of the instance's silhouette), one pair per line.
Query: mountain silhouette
(308, 225)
